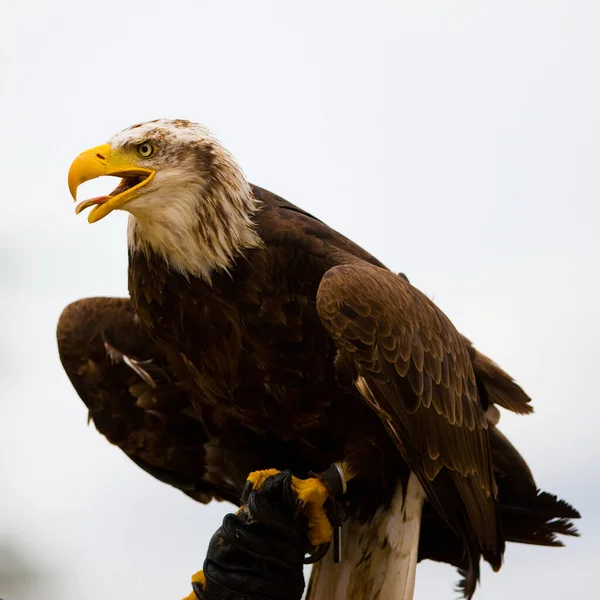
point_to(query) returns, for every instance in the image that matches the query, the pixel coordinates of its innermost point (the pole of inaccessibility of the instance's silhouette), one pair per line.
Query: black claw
(288, 496)
(318, 554)
(299, 506)
(246, 492)
(198, 590)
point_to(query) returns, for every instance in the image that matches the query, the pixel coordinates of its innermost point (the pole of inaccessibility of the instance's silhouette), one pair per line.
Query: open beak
(103, 160)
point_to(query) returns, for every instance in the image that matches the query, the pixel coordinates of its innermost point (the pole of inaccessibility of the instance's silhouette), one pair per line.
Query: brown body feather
(256, 369)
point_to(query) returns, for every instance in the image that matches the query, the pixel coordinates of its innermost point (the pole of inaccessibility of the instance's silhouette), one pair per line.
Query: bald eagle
(258, 338)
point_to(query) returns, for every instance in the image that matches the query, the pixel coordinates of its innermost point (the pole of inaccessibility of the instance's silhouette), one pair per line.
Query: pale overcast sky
(457, 141)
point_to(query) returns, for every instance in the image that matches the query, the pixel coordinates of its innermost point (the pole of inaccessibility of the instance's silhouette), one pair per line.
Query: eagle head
(188, 200)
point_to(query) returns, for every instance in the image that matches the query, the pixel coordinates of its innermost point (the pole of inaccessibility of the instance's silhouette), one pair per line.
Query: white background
(457, 141)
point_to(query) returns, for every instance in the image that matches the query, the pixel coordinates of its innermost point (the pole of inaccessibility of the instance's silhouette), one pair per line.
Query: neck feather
(197, 229)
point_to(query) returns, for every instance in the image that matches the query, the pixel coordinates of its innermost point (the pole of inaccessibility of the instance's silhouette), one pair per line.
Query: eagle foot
(311, 496)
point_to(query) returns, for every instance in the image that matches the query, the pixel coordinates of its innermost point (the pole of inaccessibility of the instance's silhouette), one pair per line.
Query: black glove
(258, 553)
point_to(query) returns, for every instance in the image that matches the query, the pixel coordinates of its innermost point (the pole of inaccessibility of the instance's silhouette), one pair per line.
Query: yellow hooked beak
(103, 160)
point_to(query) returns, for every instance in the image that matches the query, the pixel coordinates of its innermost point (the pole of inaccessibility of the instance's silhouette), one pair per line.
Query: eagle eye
(146, 149)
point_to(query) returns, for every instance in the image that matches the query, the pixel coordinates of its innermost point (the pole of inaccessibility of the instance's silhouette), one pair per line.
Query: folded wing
(415, 370)
(135, 402)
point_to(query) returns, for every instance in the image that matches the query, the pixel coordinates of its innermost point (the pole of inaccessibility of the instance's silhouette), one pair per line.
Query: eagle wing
(415, 370)
(135, 402)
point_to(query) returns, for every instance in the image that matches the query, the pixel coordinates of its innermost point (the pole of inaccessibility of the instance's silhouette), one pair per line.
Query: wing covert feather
(415, 370)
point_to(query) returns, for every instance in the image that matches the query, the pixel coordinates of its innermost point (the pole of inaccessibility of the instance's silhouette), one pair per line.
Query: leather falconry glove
(258, 553)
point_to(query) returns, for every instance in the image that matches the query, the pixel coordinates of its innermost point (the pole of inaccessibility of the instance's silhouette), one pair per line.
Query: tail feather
(467, 583)
(527, 515)
(537, 518)
(543, 504)
(469, 579)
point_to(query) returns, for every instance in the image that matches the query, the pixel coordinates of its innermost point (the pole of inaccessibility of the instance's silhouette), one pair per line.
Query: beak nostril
(100, 157)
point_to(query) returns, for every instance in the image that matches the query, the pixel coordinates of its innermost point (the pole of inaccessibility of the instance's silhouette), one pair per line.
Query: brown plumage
(305, 350)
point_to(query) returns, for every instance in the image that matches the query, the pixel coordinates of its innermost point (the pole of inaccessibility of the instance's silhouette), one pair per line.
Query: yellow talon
(312, 494)
(320, 530)
(257, 478)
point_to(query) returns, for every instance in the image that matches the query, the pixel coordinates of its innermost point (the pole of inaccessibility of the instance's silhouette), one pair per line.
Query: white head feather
(196, 213)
